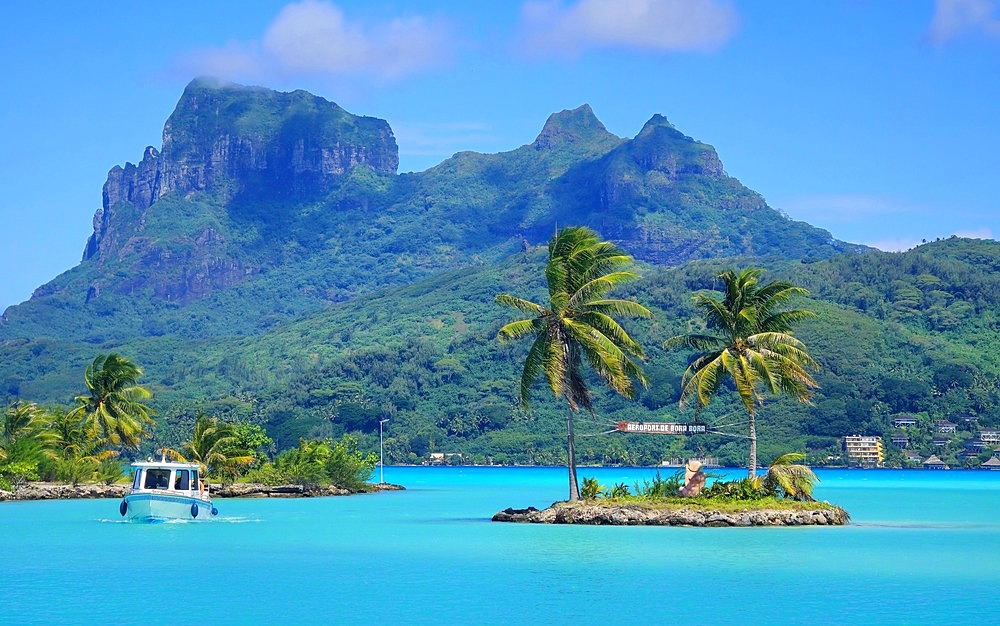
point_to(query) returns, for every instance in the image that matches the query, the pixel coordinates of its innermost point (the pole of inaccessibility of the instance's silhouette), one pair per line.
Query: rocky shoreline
(591, 513)
(53, 491)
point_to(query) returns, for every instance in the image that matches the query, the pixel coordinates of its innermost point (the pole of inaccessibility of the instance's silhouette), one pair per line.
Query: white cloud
(956, 18)
(978, 233)
(654, 25)
(314, 38)
(894, 244)
(843, 208)
(899, 244)
(427, 144)
(884, 222)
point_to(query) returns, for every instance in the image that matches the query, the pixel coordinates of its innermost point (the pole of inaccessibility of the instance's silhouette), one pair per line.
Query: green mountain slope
(268, 264)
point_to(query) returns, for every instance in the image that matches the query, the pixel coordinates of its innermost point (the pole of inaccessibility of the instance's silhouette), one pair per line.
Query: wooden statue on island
(694, 479)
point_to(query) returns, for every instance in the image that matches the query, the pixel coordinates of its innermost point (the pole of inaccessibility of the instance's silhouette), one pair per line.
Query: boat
(167, 490)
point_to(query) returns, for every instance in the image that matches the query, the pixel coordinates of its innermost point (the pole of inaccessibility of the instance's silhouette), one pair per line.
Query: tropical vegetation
(113, 408)
(753, 347)
(315, 311)
(87, 443)
(785, 480)
(215, 446)
(578, 325)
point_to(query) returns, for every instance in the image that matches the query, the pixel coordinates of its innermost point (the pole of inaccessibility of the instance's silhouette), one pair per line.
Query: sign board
(662, 428)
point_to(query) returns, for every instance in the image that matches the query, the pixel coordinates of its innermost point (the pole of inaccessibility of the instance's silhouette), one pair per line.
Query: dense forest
(269, 267)
(895, 334)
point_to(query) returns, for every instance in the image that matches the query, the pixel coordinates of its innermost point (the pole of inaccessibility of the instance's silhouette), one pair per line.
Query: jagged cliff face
(284, 203)
(231, 141)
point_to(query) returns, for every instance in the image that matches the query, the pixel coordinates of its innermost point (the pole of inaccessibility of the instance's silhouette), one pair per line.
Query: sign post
(662, 428)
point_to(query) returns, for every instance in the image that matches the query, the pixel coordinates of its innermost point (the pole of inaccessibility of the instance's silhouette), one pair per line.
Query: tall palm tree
(578, 325)
(114, 408)
(211, 445)
(753, 347)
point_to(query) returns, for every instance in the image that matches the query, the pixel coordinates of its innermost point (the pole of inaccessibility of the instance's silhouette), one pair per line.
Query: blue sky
(875, 119)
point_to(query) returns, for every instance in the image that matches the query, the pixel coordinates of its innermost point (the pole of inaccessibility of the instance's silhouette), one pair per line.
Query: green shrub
(660, 487)
(591, 490)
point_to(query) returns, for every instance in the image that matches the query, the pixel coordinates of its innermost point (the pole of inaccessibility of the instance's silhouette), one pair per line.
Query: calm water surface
(923, 547)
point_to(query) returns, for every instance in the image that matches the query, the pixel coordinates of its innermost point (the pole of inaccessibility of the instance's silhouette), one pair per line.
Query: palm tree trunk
(574, 488)
(752, 467)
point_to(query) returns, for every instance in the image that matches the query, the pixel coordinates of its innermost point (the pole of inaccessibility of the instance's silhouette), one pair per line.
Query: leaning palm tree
(114, 408)
(753, 347)
(788, 478)
(578, 325)
(211, 445)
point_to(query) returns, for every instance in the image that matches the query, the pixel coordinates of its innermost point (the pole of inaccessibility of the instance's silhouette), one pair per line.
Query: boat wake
(921, 525)
(213, 520)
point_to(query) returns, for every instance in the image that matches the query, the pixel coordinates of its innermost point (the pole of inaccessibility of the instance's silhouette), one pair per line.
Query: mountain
(268, 263)
(288, 204)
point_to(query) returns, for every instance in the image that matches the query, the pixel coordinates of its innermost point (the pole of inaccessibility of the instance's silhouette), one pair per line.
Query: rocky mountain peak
(661, 147)
(231, 139)
(572, 127)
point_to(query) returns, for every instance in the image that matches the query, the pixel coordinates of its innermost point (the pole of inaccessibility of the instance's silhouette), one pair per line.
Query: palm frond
(518, 329)
(521, 304)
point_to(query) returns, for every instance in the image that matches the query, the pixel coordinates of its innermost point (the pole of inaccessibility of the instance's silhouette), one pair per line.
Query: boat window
(194, 479)
(137, 480)
(182, 480)
(157, 478)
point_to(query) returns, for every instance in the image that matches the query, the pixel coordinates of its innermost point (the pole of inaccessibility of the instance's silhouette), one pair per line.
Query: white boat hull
(162, 506)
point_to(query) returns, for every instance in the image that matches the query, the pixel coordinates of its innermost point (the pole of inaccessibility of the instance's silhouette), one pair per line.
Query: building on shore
(992, 463)
(944, 426)
(990, 435)
(934, 463)
(864, 450)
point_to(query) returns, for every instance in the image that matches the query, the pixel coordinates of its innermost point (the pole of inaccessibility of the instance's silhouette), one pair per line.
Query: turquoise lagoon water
(923, 547)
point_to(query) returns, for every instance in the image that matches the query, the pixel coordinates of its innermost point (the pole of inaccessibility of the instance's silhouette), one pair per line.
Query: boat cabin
(166, 476)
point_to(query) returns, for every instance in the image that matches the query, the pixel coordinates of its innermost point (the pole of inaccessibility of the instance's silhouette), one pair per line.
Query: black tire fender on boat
(123, 507)
(215, 511)
(194, 509)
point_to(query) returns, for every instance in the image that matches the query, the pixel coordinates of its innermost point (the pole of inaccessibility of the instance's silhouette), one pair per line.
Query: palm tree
(787, 477)
(79, 446)
(25, 442)
(211, 445)
(577, 325)
(114, 408)
(753, 347)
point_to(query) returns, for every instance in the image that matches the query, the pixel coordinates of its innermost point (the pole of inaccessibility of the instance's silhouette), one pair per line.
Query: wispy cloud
(893, 244)
(429, 143)
(978, 233)
(313, 38)
(844, 208)
(899, 244)
(553, 27)
(885, 222)
(956, 18)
